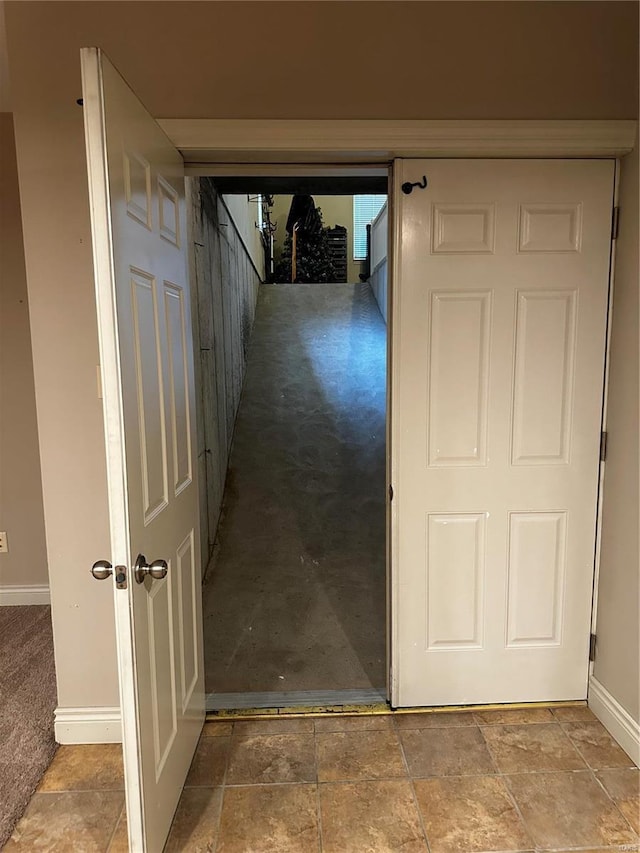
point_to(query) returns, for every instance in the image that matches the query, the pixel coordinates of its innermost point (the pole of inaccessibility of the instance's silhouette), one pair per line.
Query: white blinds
(365, 210)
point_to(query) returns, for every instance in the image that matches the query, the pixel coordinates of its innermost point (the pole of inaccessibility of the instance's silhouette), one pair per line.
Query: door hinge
(615, 223)
(592, 647)
(604, 438)
(390, 493)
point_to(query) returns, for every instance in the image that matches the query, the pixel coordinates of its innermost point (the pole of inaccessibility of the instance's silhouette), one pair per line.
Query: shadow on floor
(295, 599)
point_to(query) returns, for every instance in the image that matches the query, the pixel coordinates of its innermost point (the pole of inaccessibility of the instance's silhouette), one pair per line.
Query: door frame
(256, 147)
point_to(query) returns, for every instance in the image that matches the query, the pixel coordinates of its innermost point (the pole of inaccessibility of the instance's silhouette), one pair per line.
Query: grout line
(505, 784)
(219, 821)
(263, 784)
(318, 803)
(493, 761)
(594, 773)
(223, 785)
(80, 791)
(227, 760)
(578, 751)
(413, 789)
(115, 828)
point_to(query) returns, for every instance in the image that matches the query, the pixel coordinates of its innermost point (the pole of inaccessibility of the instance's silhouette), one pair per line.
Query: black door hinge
(390, 493)
(592, 647)
(615, 223)
(604, 438)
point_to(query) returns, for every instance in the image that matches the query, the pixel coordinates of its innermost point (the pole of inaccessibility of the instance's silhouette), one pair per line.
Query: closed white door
(136, 187)
(499, 325)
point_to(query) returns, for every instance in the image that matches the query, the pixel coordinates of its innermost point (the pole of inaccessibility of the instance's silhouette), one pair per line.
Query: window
(365, 210)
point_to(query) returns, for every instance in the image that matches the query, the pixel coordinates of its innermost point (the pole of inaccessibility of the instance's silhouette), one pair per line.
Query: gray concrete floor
(295, 596)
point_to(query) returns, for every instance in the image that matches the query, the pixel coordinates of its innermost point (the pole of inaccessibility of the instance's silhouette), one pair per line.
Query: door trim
(264, 141)
(264, 147)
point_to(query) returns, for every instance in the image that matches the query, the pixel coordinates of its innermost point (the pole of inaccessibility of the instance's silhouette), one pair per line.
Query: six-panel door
(499, 330)
(136, 181)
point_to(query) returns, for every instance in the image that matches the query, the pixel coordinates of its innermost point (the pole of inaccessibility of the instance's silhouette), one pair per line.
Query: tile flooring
(459, 782)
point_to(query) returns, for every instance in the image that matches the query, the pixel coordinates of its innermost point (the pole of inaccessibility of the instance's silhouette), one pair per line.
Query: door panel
(498, 362)
(136, 184)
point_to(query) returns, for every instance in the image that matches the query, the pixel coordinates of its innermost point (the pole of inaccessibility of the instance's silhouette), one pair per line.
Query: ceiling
(309, 185)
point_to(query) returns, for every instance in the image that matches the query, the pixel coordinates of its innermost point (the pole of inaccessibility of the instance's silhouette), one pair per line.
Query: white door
(136, 185)
(499, 327)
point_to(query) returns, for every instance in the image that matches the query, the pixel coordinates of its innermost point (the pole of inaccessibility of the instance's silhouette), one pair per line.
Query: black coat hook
(407, 188)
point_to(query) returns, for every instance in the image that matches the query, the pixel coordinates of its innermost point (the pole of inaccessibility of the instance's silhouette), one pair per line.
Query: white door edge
(605, 406)
(392, 290)
(393, 533)
(95, 139)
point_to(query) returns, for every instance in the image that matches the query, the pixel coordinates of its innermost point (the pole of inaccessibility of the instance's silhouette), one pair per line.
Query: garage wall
(463, 60)
(225, 285)
(379, 259)
(244, 212)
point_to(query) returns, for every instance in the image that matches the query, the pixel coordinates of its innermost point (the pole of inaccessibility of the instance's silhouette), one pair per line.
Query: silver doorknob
(157, 569)
(101, 570)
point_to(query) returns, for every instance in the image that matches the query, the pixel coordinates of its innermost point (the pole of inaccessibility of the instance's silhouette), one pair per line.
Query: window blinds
(365, 210)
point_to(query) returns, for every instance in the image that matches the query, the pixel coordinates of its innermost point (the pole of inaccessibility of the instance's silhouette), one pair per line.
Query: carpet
(27, 702)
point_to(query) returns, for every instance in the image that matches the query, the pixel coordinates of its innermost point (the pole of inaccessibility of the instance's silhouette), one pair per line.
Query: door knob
(101, 570)
(157, 569)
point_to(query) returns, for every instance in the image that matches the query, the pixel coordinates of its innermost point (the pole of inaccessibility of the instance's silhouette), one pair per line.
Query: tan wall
(21, 511)
(313, 59)
(336, 210)
(57, 239)
(617, 665)
(504, 60)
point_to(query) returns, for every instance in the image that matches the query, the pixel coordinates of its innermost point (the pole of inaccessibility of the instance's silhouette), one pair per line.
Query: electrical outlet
(4, 543)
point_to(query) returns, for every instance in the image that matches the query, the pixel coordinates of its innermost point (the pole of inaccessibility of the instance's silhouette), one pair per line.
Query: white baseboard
(619, 723)
(34, 594)
(88, 725)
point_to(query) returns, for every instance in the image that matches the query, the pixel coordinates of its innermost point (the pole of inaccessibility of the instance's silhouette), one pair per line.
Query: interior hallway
(534, 779)
(295, 597)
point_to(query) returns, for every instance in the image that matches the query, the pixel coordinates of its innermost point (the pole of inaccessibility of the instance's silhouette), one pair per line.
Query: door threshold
(306, 700)
(245, 706)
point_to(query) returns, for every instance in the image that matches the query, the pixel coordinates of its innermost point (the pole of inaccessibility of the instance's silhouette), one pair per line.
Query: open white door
(499, 327)
(136, 184)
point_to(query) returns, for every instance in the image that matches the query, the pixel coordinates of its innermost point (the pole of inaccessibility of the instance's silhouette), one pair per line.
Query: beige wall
(313, 59)
(506, 60)
(336, 210)
(57, 240)
(617, 665)
(21, 512)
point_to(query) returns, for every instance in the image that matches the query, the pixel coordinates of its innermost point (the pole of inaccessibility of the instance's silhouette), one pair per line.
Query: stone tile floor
(459, 782)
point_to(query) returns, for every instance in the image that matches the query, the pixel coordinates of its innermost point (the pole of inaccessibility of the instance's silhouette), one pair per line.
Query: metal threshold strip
(343, 702)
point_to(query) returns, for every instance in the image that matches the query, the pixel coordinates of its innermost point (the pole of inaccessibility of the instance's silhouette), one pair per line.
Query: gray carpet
(295, 598)
(27, 702)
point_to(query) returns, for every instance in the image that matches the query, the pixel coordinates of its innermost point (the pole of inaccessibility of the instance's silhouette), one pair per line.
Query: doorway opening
(290, 275)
